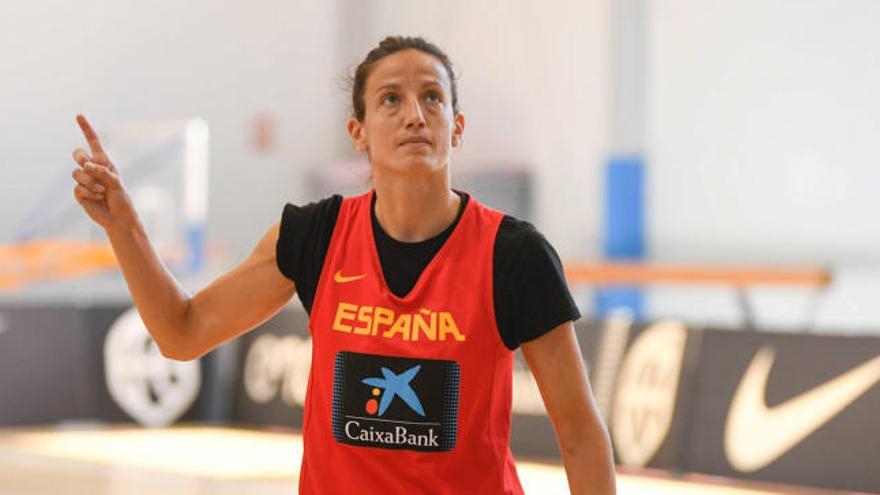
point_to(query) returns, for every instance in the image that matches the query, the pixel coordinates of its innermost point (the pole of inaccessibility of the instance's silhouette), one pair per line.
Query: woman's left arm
(556, 363)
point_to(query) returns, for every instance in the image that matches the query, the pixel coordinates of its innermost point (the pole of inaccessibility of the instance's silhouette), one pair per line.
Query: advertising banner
(790, 408)
(98, 363)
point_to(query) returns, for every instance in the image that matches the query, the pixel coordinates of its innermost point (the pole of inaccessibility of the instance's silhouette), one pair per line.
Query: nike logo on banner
(338, 277)
(756, 435)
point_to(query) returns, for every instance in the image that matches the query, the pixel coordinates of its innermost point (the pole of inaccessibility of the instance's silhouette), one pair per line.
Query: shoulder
(531, 294)
(298, 221)
(515, 229)
(323, 208)
(519, 239)
(303, 233)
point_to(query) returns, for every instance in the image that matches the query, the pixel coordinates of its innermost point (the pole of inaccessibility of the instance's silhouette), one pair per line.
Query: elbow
(185, 347)
(181, 348)
(571, 444)
(177, 343)
(175, 352)
(176, 355)
(574, 439)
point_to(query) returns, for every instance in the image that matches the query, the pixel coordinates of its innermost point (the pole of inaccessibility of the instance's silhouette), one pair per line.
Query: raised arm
(555, 361)
(183, 327)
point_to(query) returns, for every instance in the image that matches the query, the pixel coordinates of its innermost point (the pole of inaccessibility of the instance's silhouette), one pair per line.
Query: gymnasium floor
(202, 460)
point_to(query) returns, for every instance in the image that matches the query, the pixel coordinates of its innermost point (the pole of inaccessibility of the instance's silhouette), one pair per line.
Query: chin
(411, 163)
(419, 162)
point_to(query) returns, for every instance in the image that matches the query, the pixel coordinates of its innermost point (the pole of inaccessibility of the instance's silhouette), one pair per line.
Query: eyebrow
(432, 82)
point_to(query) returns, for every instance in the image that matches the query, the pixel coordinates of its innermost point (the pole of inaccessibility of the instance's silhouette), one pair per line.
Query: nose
(413, 115)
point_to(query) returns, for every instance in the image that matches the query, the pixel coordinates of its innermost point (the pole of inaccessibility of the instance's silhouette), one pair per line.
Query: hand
(99, 188)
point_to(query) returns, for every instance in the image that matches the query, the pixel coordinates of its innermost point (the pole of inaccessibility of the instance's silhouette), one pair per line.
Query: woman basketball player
(417, 296)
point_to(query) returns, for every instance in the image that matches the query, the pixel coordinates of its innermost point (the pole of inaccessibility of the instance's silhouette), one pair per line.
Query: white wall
(765, 116)
(121, 61)
(533, 89)
(763, 148)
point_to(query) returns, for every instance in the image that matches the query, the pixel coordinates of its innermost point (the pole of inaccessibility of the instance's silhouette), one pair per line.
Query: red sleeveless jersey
(412, 394)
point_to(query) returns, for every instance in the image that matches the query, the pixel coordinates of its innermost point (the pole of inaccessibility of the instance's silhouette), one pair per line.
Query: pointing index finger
(89, 133)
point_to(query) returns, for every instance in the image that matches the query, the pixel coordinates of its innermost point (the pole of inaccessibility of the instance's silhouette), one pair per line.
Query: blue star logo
(397, 385)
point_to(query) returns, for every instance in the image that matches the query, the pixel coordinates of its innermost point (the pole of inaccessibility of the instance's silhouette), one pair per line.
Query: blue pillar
(624, 230)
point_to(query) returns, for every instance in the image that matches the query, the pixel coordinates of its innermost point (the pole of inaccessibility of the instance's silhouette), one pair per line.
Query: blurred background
(705, 169)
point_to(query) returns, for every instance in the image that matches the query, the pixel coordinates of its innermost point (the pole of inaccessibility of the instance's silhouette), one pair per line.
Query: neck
(414, 208)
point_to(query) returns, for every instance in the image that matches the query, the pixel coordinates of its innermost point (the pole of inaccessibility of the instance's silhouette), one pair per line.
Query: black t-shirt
(530, 293)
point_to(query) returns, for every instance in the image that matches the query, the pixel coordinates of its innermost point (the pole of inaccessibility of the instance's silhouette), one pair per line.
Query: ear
(358, 134)
(457, 130)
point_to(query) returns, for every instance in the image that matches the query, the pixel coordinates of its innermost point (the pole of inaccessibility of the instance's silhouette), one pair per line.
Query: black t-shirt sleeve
(531, 295)
(303, 239)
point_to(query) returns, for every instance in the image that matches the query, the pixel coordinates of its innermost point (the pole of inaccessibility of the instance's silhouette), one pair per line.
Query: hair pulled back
(388, 46)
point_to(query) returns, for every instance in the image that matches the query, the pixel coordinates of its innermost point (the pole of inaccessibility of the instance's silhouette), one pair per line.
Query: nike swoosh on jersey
(755, 435)
(338, 277)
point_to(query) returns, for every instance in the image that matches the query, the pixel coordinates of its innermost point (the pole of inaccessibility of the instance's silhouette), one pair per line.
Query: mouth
(415, 141)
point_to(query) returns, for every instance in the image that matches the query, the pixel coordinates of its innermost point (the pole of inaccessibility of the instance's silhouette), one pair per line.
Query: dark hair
(388, 46)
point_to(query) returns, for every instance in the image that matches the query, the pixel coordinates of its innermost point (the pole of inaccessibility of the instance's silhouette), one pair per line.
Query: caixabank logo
(395, 403)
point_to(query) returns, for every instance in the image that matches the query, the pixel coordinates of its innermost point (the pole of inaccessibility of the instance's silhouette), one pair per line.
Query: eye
(390, 99)
(433, 97)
